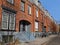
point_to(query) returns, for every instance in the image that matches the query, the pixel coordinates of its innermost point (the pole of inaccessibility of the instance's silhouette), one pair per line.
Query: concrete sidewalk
(40, 41)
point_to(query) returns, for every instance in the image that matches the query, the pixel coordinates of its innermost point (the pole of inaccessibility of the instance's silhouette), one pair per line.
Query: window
(6, 38)
(37, 12)
(12, 22)
(11, 1)
(29, 9)
(5, 20)
(22, 5)
(36, 26)
(31, 1)
(8, 20)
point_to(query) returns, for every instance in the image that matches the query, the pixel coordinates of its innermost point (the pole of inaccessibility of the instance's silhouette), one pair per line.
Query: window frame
(29, 10)
(3, 21)
(36, 26)
(37, 12)
(14, 23)
(5, 38)
(22, 2)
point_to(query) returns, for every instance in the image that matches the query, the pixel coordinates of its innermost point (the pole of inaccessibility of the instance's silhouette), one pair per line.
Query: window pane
(12, 26)
(12, 18)
(4, 25)
(12, 22)
(11, 1)
(6, 38)
(36, 12)
(22, 5)
(21, 27)
(31, 1)
(29, 9)
(36, 26)
(5, 17)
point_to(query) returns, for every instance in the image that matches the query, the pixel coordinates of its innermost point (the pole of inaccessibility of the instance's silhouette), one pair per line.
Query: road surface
(53, 41)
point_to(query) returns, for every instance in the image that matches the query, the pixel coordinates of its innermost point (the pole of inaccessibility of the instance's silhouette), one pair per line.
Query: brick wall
(20, 15)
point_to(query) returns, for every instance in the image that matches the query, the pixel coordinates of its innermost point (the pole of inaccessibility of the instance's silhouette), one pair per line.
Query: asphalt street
(54, 41)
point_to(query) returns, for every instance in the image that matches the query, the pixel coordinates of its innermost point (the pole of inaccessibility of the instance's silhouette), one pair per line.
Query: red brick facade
(20, 15)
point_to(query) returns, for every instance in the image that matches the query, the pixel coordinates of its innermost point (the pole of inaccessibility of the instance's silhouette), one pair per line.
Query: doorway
(25, 26)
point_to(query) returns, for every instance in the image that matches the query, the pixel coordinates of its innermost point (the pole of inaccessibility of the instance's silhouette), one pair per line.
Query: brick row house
(22, 16)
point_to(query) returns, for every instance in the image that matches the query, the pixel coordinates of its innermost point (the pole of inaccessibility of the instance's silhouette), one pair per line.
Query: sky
(53, 7)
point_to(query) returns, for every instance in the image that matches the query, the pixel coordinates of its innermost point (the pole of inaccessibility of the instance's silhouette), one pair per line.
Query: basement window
(7, 38)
